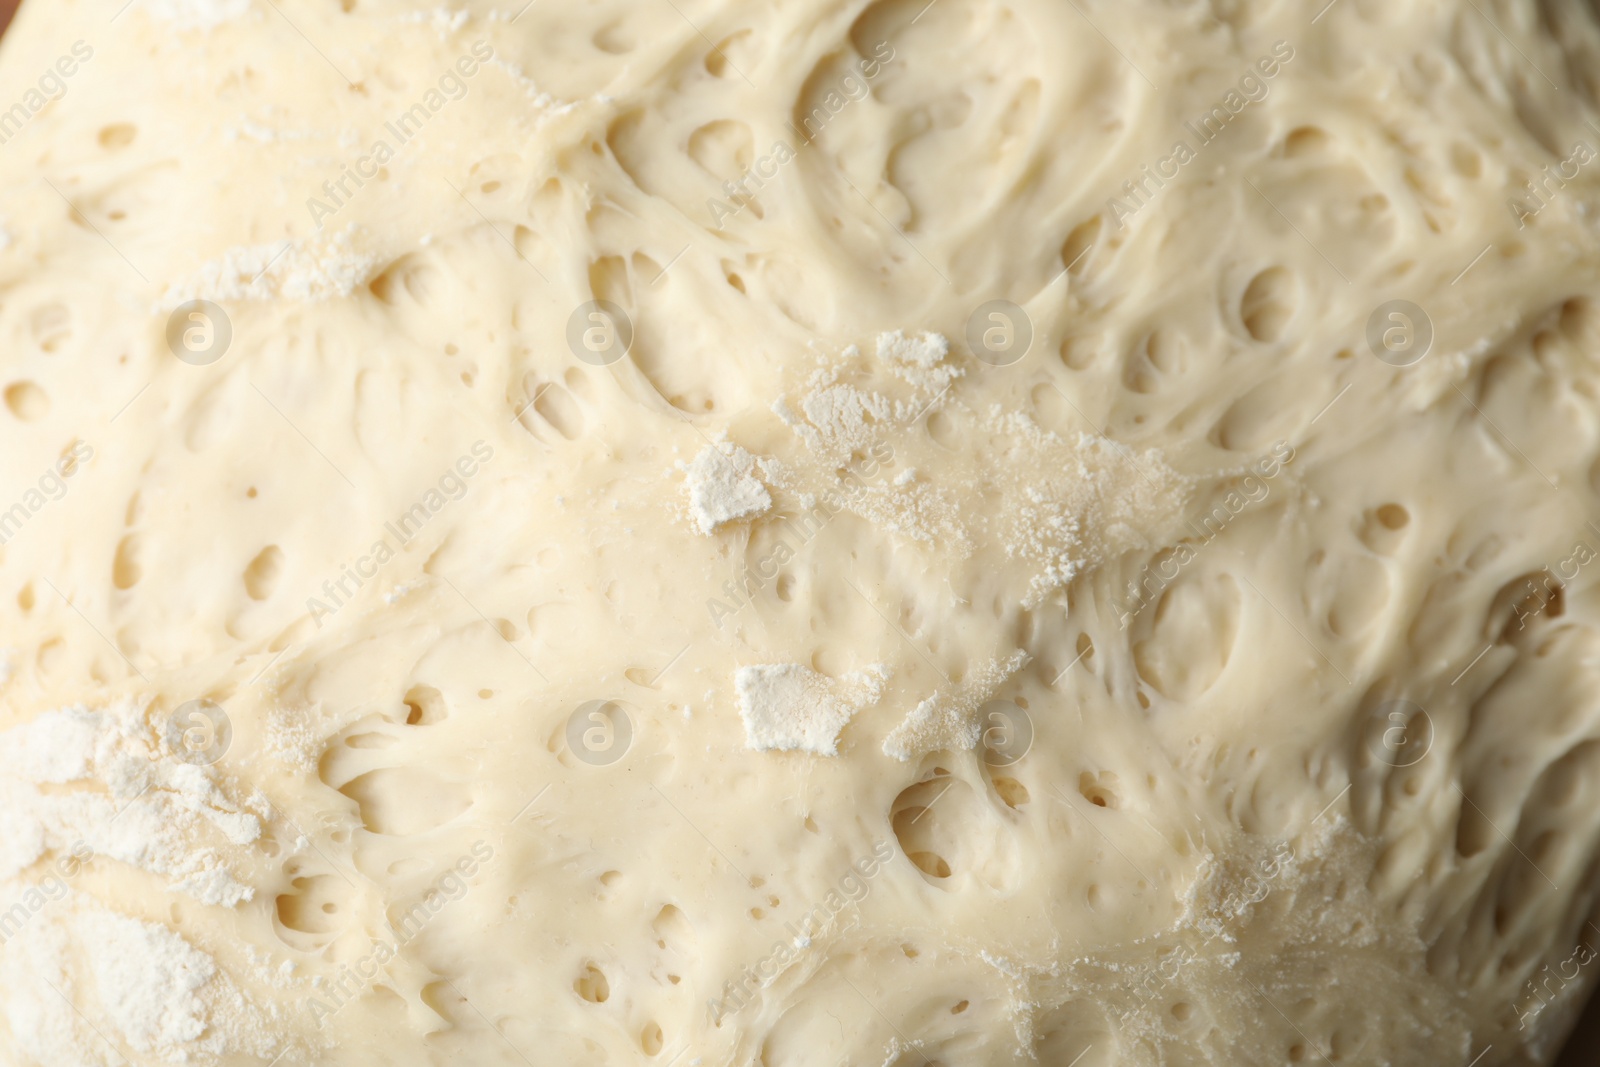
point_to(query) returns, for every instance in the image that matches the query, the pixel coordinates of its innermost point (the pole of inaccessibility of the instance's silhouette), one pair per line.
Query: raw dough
(1161, 449)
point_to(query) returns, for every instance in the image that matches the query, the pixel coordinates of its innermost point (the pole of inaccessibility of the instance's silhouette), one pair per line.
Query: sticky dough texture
(1204, 857)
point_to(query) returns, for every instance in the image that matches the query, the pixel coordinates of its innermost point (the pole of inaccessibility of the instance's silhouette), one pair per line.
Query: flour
(292, 741)
(265, 134)
(100, 786)
(840, 417)
(915, 510)
(83, 978)
(1058, 502)
(792, 708)
(723, 487)
(152, 810)
(303, 270)
(146, 978)
(949, 718)
(444, 20)
(1083, 504)
(845, 416)
(56, 747)
(918, 359)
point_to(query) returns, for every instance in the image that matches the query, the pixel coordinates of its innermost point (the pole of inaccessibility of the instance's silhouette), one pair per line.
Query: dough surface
(872, 533)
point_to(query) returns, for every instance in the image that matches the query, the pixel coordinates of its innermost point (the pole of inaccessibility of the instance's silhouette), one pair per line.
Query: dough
(883, 534)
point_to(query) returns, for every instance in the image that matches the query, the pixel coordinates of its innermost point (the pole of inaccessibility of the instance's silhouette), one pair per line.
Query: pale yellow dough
(772, 693)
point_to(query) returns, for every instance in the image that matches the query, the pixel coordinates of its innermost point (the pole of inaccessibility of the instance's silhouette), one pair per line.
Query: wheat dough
(875, 533)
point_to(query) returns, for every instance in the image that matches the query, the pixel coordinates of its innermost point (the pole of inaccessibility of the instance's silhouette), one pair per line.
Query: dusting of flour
(918, 358)
(102, 787)
(151, 810)
(144, 987)
(949, 718)
(304, 270)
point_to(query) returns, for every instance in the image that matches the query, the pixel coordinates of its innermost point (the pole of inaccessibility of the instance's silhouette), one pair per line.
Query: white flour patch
(792, 708)
(324, 269)
(918, 359)
(844, 415)
(723, 487)
(949, 718)
(152, 810)
(144, 986)
(444, 20)
(837, 418)
(146, 978)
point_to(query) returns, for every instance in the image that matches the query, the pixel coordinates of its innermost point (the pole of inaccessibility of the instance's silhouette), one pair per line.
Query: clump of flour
(723, 487)
(792, 708)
